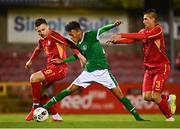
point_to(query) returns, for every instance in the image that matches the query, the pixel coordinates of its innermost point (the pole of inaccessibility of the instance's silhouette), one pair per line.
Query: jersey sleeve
(155, 33)
(152, 34)
(105, 28)
(137, 36)
(36, 51)
(120, 40)
(65, 41)
(70, 58)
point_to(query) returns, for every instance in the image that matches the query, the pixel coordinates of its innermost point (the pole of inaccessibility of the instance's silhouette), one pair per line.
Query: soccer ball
(40, 114)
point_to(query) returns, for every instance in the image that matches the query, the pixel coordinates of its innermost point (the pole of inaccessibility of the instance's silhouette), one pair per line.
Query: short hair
(152, 13)
(40, 21)
(73, 25)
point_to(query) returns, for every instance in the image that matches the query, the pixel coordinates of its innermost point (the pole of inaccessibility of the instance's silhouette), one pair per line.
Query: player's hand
(82, 59)
(28, 64)
(114, 39)
(118, 22)
(57, 61)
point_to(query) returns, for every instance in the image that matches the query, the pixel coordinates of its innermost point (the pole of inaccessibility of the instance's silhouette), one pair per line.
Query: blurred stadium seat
(126, 68)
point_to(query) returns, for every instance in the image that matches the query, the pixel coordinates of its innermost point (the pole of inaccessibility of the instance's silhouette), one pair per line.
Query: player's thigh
(159, 81)
(147, 95)
(156, 97)
(147, 82)
(84, 79)
(54, 74)
(37, 77)
(106, 79)
(160, 78)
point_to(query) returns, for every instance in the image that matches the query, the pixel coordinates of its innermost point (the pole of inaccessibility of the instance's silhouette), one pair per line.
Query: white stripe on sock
(132, 109)
(54, 99)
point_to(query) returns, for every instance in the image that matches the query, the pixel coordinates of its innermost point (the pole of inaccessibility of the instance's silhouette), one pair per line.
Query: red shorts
(154, 78)
(54, 73)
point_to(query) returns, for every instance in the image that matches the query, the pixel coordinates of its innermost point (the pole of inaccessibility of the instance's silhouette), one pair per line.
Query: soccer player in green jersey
(96, 68)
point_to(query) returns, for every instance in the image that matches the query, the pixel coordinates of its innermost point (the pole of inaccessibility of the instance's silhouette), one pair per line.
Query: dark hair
(73, 25)
(40, 21)
(152, 12)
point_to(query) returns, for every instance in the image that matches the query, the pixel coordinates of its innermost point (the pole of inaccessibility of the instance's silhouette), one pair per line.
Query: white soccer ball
(40, 114)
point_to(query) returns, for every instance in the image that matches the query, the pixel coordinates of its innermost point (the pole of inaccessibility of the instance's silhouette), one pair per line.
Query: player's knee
(147, 97)
(33, 78)
(156, 98)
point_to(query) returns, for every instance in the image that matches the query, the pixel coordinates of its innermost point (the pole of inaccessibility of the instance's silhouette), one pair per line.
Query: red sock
(36, 91)
(166, 97)
(165, 109)
(44, 99)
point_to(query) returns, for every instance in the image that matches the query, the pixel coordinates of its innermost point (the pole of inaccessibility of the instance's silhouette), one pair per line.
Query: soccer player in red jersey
(54, 46)
(157, 65)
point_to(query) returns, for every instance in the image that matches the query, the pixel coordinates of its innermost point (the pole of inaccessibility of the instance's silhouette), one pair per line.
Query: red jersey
(54, 45)
(153, 45)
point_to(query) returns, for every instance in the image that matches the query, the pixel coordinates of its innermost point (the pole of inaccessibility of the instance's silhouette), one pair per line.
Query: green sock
(130, 108)
(57, 98)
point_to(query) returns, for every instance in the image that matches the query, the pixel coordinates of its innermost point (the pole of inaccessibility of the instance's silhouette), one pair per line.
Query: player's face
(43, 30)
(148, 21)
(75, 35)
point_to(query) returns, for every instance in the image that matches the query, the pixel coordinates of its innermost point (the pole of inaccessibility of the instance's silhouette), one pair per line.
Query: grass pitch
(90, 121)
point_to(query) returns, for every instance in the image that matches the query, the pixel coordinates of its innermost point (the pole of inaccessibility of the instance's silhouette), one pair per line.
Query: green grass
(90, 121)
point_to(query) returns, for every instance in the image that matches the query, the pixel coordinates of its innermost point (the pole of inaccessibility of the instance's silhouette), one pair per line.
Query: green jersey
(93, 51)
(91, 48)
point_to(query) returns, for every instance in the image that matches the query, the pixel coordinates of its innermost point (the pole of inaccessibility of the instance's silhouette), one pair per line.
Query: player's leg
(71, 89)
(147, 86)
(55, 115)
(81, 81)
(171, 100)
(158, 85)
(108, 80)
(162, 103)
(126, 102)
(52, 74)
(36, 80)
(39, 78)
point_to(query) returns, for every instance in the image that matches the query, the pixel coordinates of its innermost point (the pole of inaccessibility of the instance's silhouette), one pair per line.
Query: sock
(44, 99)
(35, 105)
(166, 97)
(130, 108)
(165, 109)
(57, 98)
(36, 91)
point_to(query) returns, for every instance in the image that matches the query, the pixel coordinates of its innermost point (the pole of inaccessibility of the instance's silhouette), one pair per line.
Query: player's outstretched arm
(117, 39)
(70, 59)
(135, 36)
(109, 26)
(66, 60)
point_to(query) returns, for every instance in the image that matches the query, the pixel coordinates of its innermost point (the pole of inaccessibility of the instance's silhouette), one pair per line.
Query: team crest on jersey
(84, 47)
